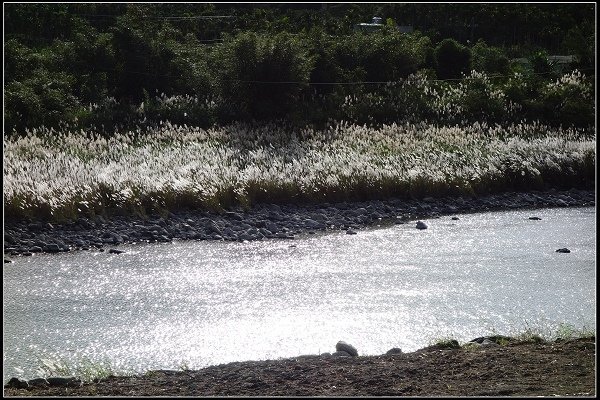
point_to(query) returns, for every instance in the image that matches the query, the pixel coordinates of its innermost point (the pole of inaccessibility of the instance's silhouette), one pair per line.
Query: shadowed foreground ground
(514, 369)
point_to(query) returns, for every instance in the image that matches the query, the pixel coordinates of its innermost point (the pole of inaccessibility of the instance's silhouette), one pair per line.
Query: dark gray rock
(52, 248)
(488, 342)
(421, 225)
(79, 242)
(234, 215)
(535, 218)
(341, 354)
(455, 218)
(272, 227)
(282, 235)
(561, 203)
(320, 217)
(395, 350)
(312, 224)
(497, 339)
(9, 239)
(449, 344)
(64, 381)
(17, 383)
(563, 250)
(116, 251)
(38, 382)
(34, 227)
(348, 348)
(350, 232)
(61, 245)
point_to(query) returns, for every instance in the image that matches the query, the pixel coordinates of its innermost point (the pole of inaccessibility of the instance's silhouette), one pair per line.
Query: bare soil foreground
(517, 368)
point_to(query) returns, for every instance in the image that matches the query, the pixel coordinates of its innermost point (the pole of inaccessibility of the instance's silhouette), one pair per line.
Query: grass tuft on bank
(61, 176)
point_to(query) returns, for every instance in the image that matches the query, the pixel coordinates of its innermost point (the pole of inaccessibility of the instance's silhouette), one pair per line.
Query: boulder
(16, 383)
(535, 218)
(394, 350)
(38, 382)
(115, 251)
(63, 381)
(350, 232)
(563, 250)
(348, 348)
(421, 225)
(497, 339)
(52, 248)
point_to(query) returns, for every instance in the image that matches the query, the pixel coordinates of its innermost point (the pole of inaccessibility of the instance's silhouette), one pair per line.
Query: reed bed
(62, 175)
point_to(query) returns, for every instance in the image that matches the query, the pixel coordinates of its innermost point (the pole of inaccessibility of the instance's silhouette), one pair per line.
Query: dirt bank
(514, 369)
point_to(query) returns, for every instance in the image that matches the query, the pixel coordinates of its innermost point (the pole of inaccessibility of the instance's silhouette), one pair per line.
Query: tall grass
(531, 332)
(85, 370)
(66, 174)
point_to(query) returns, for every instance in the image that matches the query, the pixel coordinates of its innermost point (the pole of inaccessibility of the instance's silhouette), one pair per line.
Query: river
(198, 303)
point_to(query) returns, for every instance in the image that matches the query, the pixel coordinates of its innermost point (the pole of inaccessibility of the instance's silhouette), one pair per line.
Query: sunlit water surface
(198, 303)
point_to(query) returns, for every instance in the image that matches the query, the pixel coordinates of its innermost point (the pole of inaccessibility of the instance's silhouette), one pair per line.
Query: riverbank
(264, 221)
(498, 367)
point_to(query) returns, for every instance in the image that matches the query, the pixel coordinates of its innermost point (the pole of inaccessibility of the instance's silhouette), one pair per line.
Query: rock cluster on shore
(262, 221)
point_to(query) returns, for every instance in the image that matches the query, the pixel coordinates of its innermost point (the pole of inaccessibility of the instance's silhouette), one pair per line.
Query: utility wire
(167, 17)
(330, 83)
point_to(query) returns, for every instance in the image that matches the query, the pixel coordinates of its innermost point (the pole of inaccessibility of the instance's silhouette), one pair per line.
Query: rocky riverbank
(493, 366)
(24, 238)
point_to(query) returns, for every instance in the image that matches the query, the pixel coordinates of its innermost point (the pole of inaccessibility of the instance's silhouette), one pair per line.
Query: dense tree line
(114, 65)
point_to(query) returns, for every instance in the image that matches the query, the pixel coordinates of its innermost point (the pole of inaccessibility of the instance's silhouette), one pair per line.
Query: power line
(333, 83)
(167, 17)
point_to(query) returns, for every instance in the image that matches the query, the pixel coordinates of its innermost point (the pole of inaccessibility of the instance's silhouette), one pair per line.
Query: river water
(198, 303)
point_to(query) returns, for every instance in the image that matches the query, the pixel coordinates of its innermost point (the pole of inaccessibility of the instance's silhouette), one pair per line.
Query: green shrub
(481, 100)
(570, 100)
(44, 99)
(452, 59)
(250, 57)
(489, 59)
(540, 63)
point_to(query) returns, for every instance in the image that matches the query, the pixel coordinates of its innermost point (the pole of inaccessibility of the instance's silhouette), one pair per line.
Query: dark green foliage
(250, 58)
(95, 64)
(489, 59)
(452, 59)
(539, 62)
(44, 99)
(580, 41)
(480, 104)
(388, 55)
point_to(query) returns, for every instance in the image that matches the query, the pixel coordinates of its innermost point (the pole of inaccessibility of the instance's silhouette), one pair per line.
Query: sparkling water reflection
(204, 303)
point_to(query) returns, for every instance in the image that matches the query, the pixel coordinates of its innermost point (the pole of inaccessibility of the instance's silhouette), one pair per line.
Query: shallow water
(198, 303)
